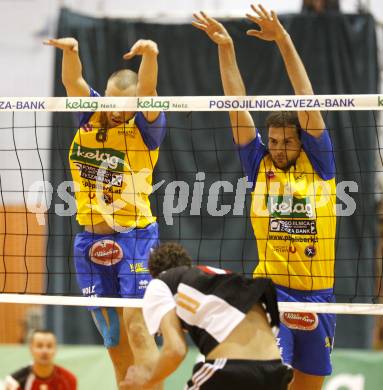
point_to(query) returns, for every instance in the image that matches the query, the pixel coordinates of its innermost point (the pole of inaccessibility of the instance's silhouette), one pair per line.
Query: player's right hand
(215, 30)
(69, 44)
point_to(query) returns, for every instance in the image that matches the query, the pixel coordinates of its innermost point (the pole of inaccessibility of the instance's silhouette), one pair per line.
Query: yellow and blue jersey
(293, 213)
(113, 173)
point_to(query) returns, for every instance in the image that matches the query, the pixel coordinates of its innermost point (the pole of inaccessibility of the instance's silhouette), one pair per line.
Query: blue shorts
(306, 339)
(114, 265)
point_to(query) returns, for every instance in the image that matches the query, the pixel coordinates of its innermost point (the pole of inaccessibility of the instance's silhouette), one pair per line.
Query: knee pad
(110, 330)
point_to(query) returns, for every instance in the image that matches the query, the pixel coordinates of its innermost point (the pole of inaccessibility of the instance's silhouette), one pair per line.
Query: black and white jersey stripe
(210, 305)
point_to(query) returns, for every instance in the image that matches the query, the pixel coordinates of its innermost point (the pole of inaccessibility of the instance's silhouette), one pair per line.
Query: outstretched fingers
(209, 19)
(254, 33)
(274, 16)
(264, 12)
(198, 25)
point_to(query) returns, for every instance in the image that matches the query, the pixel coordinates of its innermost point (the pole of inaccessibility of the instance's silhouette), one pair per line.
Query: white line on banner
(194, 103)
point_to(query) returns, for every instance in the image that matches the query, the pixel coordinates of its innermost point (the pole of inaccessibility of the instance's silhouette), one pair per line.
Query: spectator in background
(320, 6)
(42, 373)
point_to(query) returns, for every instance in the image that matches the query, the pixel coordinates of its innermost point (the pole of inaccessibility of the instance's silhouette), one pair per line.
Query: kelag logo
(113, 158)
(288, 206)
(81, 104)
(151, 103)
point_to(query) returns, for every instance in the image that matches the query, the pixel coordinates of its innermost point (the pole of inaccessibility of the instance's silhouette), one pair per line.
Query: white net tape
(335, 308)
(195, 103)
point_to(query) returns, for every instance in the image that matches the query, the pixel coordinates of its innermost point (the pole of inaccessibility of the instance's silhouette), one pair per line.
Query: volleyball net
(200, 194)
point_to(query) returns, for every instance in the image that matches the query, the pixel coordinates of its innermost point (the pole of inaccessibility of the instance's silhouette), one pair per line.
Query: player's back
(251, 339)
(217, 307)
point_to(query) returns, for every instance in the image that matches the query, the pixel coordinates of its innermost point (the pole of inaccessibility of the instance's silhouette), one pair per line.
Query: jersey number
(101, 135)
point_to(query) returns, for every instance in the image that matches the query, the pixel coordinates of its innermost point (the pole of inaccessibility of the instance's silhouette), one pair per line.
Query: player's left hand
(142, 47)
(137, 376)
(271, 28)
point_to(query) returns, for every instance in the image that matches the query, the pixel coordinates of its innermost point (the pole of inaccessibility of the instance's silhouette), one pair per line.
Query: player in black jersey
(228, 316)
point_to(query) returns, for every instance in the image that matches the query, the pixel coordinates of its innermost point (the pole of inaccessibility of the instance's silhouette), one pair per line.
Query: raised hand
(141, 48)
(215, 30)
(270, 27)
(69, 44)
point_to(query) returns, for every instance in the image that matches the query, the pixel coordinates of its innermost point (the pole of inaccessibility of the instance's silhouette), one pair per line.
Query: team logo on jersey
(289, 206)
(114, 159)
(87, 127)
(270, 174)
(90, 172)
(285, 248)
(108, 197)
(300, 321)
(106, 252)
(310, 251)
(128, 131)
(293, 226)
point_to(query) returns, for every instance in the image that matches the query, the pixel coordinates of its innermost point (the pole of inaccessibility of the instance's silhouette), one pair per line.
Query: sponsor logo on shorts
(89, 291)
(300, 321)
(329, 342)
(142, 284)
(105, 252)
(138, 268)
(293, 226)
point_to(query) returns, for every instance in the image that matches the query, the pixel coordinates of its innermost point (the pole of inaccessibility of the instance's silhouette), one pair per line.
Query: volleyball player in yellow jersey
(292, 213)
(112, 158)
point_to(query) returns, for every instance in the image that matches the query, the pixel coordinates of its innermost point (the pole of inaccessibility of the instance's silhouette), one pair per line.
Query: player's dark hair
(166, 256)
(282, 119)
(124, 78)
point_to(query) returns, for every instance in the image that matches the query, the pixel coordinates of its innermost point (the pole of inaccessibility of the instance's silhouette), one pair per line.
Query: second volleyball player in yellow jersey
(293, 200)
(112, 158)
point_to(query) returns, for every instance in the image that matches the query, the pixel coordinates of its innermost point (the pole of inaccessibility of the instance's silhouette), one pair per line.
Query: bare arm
(172, 353)
(72, 78)
(241, 121)
(272, 30)
(148, 72)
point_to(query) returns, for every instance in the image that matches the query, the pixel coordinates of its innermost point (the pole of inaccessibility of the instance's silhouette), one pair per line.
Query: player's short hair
(282, 119)
(35, 331)
(166, 256)
(124, 78)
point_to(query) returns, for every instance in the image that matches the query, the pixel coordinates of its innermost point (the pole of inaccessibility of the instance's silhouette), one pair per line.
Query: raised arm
(148, 72)
(172, 353)
(71, 71)
(241, 121)
(272, 30)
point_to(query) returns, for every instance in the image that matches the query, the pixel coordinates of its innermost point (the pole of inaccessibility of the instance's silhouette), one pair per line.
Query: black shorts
(229, 374)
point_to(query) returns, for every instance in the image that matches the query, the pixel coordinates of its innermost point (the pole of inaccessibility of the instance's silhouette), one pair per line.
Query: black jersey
(209, 302)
